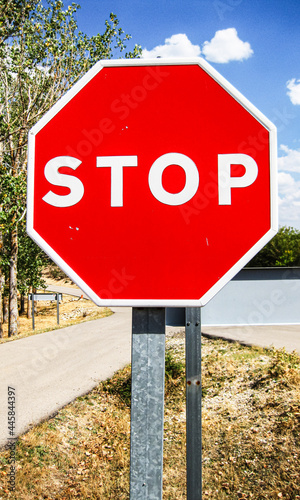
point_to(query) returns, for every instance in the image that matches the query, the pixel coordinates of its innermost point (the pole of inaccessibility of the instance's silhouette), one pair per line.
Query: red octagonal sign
(152, 182)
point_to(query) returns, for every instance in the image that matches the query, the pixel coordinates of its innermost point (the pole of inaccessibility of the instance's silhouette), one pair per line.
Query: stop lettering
(225, 181)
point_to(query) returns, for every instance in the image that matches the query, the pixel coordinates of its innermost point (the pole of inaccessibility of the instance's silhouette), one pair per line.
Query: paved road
(51, 369)
(66, 290)
(277, 336)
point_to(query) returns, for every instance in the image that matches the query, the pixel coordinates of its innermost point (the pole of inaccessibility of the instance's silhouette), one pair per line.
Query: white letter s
(57, 179)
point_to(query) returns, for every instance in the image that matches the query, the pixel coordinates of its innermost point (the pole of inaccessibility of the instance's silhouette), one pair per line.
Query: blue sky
(255, 44)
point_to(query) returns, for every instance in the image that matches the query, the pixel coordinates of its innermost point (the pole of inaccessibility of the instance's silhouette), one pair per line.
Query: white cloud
(226, 46)
(291, 161)
(176, 46)
(289, 211)
(293, 92)
(286, 183)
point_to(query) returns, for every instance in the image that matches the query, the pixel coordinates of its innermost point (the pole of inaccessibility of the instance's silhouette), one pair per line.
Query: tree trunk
(1, 303)
(5, 309)
(22, 305)
(2, 280)
(13, 292)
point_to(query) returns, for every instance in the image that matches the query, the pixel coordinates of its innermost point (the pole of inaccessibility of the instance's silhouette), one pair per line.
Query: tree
(282, 250)
(12, 202)
(42, 54)
(12, 15)
(31, 262)
(2, 280)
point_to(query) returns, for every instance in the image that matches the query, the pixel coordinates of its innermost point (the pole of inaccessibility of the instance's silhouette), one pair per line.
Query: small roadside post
(44, 296)
(182, 217)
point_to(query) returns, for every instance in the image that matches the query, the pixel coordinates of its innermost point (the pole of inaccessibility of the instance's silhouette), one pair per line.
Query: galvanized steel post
(147, 402)
(32, 310)
(57, 308)
(193, 403)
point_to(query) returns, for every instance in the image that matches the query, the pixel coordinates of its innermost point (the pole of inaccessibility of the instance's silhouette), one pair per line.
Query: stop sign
(152, 182)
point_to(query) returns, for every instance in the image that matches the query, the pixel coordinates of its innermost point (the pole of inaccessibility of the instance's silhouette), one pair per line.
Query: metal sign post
(45, 296)
(32, 310)
(58, 296)
(147, 402)
(193, 403)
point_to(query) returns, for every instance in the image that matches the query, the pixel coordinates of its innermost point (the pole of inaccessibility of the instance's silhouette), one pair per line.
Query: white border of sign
(153, 62)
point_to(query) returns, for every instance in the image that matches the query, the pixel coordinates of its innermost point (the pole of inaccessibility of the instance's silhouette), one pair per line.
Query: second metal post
(193, 403)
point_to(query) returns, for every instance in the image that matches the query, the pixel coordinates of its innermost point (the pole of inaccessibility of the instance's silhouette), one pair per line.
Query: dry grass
(251, 433)
(251, 423)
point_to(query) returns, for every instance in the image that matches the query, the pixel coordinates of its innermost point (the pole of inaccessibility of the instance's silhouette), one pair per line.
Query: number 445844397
(11, 415)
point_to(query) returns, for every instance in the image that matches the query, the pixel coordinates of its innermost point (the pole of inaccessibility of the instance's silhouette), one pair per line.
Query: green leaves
(12, 198)
(31, 262)
(282, 250)
(12, 15)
